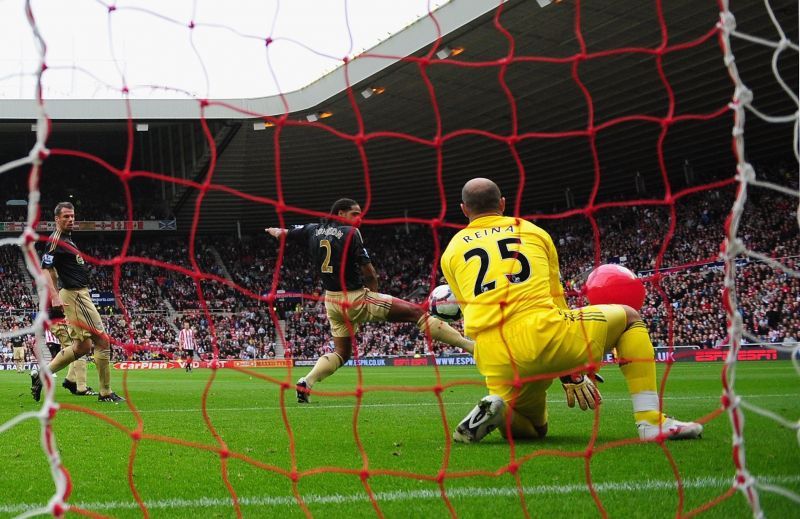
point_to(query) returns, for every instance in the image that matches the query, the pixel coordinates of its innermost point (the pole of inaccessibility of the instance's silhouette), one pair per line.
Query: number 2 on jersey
(519, 277)
(326, 264)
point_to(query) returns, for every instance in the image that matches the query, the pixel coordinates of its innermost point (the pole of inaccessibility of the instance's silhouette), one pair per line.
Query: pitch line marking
(408, 495)
(418, 404)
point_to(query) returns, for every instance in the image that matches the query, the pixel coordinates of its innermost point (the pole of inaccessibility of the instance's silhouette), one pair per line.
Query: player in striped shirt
(18, 347)
(186, 343)
(51, 341)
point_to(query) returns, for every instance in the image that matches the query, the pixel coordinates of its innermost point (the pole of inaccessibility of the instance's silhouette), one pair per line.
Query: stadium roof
(414, 37)
(318, 165)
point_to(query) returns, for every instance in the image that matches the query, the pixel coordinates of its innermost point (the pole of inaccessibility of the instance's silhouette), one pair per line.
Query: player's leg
(593, 330)
(638, 366)
(71, 337)
(88, 318)
(102, 361)
(528, 410)
(64, 358)
(19, 359)
(403, 311)
(79, 370)
(61, 331)
(53, 348)
(579, 337)
(68, 355)
(75, 381)
(327, 364)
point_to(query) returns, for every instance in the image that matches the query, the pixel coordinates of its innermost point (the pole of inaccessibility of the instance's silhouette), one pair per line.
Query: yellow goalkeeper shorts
(540, 345)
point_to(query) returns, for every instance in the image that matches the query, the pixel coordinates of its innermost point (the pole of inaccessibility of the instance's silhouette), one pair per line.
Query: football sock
(443, 332)
(638, 366)
(78, 370)
(101, 360)
(64, 357)
(325, 367)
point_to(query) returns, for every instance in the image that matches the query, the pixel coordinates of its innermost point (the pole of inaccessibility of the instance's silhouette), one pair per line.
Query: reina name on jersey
(488, 232)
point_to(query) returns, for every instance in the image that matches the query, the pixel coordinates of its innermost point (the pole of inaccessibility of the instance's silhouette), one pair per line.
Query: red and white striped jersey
(186, 339)
(49, 338)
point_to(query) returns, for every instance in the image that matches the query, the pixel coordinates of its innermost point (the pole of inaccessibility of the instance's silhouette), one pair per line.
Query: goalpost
(293, 110)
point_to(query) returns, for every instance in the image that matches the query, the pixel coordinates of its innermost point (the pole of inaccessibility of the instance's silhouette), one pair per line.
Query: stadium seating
(159, 300)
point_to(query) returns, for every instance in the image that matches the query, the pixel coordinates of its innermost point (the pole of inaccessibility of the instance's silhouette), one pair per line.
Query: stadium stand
(158, 301)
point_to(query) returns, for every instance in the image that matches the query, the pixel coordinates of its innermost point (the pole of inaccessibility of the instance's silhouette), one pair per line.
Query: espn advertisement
(692, 355)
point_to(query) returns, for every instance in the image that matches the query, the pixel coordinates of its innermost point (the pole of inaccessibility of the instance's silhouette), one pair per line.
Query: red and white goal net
(613, 58)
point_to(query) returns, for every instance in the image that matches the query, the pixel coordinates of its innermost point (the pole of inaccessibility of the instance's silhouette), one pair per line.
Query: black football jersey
(326, 243)
(72, 271)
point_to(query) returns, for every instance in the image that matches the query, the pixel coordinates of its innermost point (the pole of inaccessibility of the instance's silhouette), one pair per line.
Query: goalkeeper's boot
(36, 385)
(483, 419)
(302, 391)
(111, 397)
(670, 429)
(70, 386)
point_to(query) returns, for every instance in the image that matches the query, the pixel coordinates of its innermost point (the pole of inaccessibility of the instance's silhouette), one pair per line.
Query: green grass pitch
(401, 432)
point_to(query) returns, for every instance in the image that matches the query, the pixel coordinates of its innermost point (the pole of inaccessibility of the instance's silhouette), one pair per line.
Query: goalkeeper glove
(581, 388)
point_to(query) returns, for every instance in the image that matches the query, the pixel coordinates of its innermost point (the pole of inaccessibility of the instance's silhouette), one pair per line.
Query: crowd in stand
(683, 305)
(15, 292)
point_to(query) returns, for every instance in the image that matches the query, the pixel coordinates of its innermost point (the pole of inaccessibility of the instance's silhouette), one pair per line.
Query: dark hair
(343, 204)
(482, 198)
(62, 205)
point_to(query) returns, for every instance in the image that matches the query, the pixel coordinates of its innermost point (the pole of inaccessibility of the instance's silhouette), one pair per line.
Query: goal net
(660, 136)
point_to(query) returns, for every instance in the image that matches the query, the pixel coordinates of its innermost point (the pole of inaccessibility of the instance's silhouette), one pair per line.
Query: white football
(443, 305)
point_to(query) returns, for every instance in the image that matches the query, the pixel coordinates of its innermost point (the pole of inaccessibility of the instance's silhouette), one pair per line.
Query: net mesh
(733, 248)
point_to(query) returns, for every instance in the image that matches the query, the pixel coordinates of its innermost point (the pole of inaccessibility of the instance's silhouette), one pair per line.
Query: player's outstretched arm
(581, 388)
(275, 232)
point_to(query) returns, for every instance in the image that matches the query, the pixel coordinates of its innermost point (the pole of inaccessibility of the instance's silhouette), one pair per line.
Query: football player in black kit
(66, 267)
(337, 250)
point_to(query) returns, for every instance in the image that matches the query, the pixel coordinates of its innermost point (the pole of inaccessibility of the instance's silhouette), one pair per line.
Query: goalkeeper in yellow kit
(504, 272)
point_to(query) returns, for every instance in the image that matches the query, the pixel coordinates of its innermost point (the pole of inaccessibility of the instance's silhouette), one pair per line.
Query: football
(443, 305)
(614, 284)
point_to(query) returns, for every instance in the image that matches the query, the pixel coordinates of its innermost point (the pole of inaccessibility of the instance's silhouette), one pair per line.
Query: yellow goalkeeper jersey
(499, 267)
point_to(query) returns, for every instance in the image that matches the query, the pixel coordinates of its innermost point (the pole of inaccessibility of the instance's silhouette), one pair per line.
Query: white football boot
(670, 429)
(483, 419)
